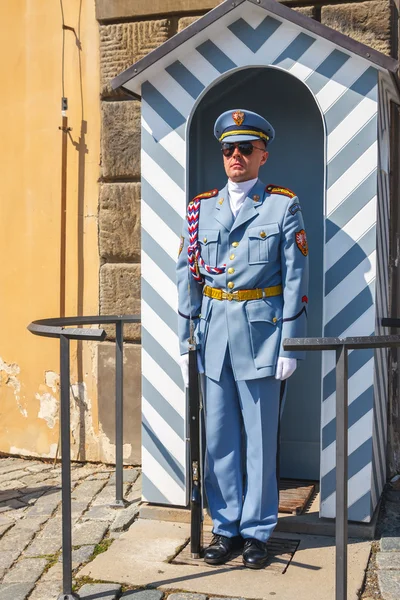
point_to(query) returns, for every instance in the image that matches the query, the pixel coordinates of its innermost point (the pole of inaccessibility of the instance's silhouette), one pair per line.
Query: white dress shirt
(238, 192)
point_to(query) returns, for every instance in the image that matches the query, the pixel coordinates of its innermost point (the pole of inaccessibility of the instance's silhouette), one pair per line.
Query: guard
(242, 277)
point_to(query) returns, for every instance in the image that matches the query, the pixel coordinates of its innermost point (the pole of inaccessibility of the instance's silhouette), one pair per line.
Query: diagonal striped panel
(355, 253)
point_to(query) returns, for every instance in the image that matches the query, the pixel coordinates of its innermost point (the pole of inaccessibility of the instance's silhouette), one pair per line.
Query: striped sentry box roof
(352, 90)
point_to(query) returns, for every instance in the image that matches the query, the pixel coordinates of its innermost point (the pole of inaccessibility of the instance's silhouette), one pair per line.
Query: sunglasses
(245, 148)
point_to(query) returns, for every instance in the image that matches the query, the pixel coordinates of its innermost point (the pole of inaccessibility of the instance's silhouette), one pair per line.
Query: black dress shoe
(255, 554)
(219, 551)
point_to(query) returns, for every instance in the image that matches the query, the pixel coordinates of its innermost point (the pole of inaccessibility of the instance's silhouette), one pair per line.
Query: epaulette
(274, 189)
(209, 194)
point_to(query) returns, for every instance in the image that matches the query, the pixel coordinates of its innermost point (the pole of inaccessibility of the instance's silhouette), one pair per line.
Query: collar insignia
(256, 197)
(238, 116)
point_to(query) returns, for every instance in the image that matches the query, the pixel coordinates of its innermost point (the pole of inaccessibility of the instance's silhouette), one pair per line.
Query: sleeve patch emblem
(181, 245)
(294, 208)
(301, 241)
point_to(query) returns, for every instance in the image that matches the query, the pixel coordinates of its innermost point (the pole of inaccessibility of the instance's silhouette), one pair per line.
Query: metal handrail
(62, 328)
(342, 346)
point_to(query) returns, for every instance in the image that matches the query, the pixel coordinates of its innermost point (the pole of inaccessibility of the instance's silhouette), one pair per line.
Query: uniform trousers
(242, 419)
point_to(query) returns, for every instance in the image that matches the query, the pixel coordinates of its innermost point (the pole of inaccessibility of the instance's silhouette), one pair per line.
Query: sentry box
(329, 100)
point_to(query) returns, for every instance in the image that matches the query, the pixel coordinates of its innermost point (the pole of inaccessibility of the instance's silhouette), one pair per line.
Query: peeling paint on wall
(23, 452)
(48, 403)
(107, 449)
(8, 376)
(48, 408)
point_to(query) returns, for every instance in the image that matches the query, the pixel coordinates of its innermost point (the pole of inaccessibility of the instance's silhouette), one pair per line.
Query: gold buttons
(274, 319)
(231, 270)
(221, 201)
(231, 285)
(235, 244)
(232, 256)
(263, 234)
(205, 240)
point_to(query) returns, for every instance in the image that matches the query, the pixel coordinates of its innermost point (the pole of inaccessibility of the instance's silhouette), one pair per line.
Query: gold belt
(241, 295)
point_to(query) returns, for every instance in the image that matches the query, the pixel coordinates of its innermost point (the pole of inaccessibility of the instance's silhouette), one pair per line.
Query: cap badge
(238, 117)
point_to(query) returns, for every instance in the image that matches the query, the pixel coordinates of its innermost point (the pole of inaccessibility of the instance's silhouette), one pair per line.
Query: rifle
(196, 508)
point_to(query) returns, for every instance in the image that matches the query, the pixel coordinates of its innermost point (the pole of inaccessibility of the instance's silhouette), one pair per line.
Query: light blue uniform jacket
(260, 245)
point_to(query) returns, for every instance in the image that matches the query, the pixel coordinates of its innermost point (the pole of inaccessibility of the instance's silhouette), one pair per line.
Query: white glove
(285, 367)
(184, 365)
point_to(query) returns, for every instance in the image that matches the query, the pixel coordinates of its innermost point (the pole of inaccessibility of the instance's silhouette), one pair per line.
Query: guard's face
(239, 167)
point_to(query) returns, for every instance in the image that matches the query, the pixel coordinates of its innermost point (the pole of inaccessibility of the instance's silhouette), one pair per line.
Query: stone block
(87, 490)
(101, 476)
(39, 467)
(125, 518)
(120, 295)
(389, 584)
(32, 523)
(15, 591)
(102, 591)
(135, 493)
(9, 495)
(126, 9)
(52, 528)
(143, 595)
(43, 546)
(50, 590)
(307, 11)
(26, 570)
(16, 539)
(132, 398)
(100, 513)
(79, 555)
(120, 140)
(187, 597)
(105, 498)
(389, 544)
(11, 504)
(89, 532)
(185, 22)
(13, 466)
(388, 560)
(119, 222)
(4, 528)
(128, 476)
(7, 557)
(366, 22)
(12, 475)
(123, 44)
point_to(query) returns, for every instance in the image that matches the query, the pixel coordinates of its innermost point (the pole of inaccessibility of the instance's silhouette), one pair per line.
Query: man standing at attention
(242, 277)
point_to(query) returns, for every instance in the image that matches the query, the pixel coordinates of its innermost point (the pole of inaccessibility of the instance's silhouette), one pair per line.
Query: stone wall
(130, 29)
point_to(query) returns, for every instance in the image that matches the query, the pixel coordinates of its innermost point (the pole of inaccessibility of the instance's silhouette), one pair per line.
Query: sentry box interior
(329, 99)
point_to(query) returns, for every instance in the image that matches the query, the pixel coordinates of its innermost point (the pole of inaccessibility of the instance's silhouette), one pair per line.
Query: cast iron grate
(294, 495)
(280, 551)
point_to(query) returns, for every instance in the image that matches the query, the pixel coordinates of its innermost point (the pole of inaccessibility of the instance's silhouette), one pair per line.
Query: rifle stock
(196, 528)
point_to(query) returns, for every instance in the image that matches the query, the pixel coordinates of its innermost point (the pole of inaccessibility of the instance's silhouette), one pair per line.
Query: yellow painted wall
(30, 170)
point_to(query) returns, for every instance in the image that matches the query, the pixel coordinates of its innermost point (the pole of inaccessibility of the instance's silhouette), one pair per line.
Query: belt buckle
(232, 296)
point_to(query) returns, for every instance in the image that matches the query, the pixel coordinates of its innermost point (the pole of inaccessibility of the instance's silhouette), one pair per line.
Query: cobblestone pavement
(30, 533)
(383, 573)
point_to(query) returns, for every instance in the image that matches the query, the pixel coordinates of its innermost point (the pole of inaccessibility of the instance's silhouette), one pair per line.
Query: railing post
(119, 413)
(341, 470)
(66, 470)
